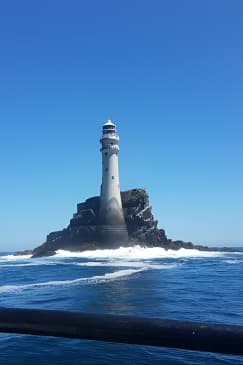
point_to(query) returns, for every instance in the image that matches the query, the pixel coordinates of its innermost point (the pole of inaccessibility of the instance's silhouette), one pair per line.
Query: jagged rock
(81, 235)
(25, 252)
(84, 217)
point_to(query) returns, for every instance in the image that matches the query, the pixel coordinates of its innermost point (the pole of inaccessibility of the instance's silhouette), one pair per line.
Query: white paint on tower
(111, 226)
(110, 187)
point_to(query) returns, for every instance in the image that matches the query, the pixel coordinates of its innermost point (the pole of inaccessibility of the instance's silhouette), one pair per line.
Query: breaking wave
(97, 279)
(14, 257)
(136, 256)
(139, 253)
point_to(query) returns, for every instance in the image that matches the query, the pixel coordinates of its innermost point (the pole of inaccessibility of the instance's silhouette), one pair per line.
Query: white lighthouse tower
(111, 224)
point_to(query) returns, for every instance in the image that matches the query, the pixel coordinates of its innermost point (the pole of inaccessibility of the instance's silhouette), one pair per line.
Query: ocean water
(185, 285)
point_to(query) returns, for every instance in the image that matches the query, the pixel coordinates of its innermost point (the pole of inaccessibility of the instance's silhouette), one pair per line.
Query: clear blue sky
(170, 73)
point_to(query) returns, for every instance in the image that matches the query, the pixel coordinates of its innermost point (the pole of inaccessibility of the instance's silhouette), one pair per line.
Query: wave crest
(97, 279)
(138, 253)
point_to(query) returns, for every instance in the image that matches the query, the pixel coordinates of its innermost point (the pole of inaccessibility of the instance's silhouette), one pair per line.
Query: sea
(188, 285)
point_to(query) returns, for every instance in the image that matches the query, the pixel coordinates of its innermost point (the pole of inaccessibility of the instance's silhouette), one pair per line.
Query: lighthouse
(111, 226)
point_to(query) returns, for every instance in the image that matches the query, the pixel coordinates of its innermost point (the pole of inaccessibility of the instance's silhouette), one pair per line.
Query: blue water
(185, 285)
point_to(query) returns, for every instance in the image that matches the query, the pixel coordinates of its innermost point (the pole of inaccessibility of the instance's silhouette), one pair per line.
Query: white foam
(135, 264)
(37, 263)
(14, 258)
(113, 263)
(91, 280)
(233, 261)
(138, 253)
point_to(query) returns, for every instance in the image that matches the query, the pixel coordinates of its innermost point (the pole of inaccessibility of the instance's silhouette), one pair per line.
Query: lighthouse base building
(111, 225)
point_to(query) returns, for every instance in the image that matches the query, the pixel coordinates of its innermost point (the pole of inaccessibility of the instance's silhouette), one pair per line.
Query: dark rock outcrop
(81, 233)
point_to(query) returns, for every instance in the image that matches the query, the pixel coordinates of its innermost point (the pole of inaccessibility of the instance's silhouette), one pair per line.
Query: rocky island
(81, 233)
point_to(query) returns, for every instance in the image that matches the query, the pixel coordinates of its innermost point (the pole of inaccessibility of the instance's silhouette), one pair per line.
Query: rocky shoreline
(80, 234)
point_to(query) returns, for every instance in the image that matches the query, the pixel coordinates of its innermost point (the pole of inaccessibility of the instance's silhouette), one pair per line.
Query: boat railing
(220, 338)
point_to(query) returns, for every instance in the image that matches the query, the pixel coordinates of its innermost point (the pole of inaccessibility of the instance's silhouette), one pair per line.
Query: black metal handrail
(225, 339)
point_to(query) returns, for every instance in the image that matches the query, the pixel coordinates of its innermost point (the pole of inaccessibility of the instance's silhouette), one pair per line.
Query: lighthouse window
(106, 169)
(112, 177)
(108, 127)
(106, 153)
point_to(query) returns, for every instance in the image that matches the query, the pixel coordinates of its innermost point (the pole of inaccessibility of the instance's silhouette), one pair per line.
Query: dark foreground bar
(134, 330)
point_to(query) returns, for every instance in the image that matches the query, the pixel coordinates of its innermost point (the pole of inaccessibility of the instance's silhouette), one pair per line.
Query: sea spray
(139, 253)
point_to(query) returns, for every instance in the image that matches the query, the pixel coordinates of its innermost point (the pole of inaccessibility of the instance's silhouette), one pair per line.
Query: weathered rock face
(81, 233)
